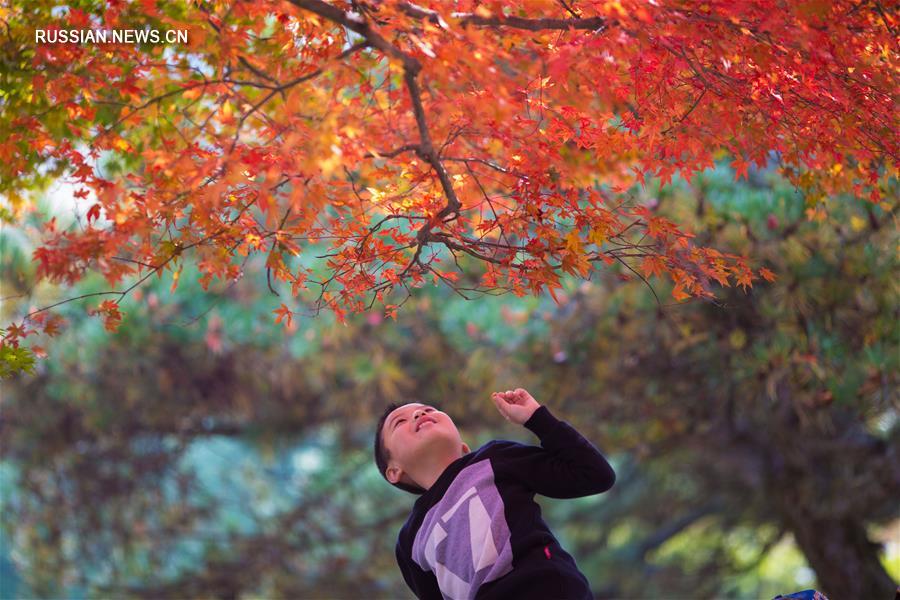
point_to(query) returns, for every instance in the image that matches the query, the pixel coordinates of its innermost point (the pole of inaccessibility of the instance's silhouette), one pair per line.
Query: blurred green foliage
(202, 451)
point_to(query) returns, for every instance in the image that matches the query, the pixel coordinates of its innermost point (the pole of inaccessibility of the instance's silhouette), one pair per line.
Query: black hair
(382, 455)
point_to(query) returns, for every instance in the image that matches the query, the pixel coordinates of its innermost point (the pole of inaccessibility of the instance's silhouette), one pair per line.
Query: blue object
(804, 595)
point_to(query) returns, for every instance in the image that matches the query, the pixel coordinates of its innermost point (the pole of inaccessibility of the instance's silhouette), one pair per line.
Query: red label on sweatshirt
(547, 551)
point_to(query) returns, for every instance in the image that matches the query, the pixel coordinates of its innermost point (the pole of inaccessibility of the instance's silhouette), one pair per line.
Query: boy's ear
(465, 448)
(393, 474)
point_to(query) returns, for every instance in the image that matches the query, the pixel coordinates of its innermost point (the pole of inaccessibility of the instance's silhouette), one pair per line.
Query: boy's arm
(567, 465)
(422, 583)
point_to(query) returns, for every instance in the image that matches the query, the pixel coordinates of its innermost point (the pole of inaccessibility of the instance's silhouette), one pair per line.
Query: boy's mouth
(424, 420)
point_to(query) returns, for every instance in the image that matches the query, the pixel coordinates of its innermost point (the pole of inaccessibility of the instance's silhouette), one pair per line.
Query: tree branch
(592, 23)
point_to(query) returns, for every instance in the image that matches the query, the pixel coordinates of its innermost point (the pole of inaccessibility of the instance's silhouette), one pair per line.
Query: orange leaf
(284, 314)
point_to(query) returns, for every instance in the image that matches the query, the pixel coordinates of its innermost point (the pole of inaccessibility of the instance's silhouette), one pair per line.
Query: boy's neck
(427, 472)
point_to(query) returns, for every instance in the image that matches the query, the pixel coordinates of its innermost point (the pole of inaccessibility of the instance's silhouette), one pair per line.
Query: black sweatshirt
(478, 533)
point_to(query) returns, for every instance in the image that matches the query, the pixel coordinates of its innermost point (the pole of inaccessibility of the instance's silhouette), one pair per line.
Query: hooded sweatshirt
(477, 533)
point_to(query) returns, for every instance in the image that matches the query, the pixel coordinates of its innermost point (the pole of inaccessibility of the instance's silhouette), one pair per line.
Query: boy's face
(413, 434)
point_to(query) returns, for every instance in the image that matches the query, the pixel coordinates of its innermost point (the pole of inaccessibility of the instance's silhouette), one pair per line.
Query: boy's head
(403, 440)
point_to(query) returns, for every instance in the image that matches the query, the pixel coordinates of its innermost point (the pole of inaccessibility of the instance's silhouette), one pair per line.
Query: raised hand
(515, 405)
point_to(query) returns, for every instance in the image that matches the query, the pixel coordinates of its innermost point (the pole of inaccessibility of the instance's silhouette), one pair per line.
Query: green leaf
(15, 360)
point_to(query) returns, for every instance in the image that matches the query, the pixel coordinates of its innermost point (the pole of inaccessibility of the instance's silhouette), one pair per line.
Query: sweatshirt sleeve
(566, 466)
(422, 583)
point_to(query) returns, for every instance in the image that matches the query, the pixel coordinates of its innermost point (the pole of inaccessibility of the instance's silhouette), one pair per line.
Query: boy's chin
(426, 437)
(437, 440)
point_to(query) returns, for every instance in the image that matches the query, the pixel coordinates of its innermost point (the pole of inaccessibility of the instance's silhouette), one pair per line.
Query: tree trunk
(839, 551)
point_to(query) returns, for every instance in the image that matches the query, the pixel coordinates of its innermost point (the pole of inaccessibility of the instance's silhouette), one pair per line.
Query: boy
(475, 532)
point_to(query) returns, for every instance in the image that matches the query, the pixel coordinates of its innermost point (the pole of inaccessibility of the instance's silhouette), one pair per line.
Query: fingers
(500, 403)
(516, 396)
(505, 396)
(515, 405)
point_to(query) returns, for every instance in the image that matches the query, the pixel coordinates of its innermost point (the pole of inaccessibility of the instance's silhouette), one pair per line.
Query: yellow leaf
(175, 277)
(573, 242)
(375, 195)
(597, 236)
(331, 163)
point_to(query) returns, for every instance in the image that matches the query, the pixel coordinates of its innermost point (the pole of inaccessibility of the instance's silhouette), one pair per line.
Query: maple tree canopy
(400, 137)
